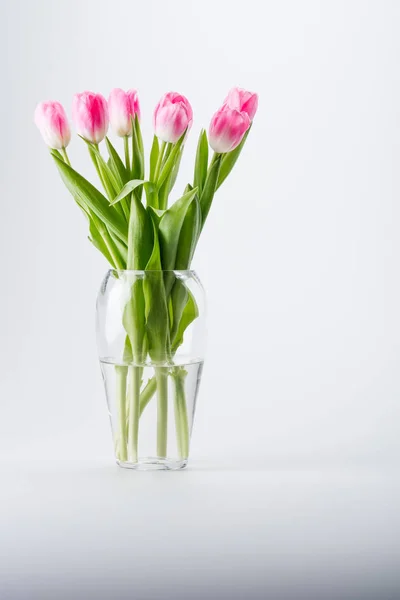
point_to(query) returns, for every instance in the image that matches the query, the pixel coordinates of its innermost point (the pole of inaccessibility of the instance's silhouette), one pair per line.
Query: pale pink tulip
(227, 129)
(90, 115)
(52, 123)
(122, 107)
(173, 114)
(243, 101)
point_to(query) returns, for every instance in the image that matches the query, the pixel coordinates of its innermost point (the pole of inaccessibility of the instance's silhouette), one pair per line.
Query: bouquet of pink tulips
(131, 222)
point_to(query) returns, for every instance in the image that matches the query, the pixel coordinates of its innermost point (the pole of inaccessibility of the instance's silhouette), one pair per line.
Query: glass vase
(151, 338)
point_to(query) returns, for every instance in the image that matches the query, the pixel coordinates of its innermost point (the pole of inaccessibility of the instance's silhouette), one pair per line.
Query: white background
(300, 260)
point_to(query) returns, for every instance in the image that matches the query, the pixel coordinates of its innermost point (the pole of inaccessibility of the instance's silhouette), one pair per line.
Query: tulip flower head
(227, 129)
(172, 116)
(243, 101)
(90, 115)
(122, 108)
(52, 122)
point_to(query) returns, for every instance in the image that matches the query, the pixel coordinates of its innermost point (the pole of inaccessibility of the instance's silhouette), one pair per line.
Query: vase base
(154, 464)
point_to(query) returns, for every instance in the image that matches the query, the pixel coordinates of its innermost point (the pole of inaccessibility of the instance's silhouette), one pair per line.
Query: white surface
(300, 260)
(280, 531)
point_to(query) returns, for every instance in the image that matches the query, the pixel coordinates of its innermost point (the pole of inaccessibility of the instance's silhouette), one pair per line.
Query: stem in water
(134, 376)
(162, 411)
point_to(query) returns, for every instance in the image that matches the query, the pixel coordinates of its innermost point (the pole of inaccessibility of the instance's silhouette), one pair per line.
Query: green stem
(107, 185)
(210, 186)
(65, 156)
(163, 193)
(125, 209)
(167, 153)
(119, 263)
(96, 166)
(181, 416)
(159, 160)
(127, 159)
(214, 159)
(162, 410)
(120, 373)
(108, 241)
(133, 426)
(147, 394)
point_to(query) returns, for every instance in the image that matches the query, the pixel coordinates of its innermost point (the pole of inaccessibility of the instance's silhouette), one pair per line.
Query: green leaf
(140, 236)
(151, 195)
(170, 162)
(109, 190)
(157, 321)
(139, 136)
(208, 192)
(108, 244)
(175, 171)
(134, 321)
(118, 168)
(154, 153)
(178, 300)
(98, 243)
(112, 248)
(129, 187)
(116, 164)
(229, 160)
(156, 215)
(113, 182)
(154, 262)
(170, 228)
(90, 198)
(189, 314)
(55, 152)
(163, 194)
(121, 248)
(127, 356)
(189, 236)
(137, 151)
(140, 249)
(201, 164)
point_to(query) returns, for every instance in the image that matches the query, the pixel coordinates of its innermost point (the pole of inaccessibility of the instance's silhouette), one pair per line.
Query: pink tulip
(90, 115)
(52, 123)
(227, 129)
(173, 114)
(243, 101)
(122, 107)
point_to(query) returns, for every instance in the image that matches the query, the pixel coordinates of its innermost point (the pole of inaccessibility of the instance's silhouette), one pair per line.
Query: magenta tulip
(227, 129)
(90, 115)
(122, 107)
(243, 101)
(172, 116)
(52, 123)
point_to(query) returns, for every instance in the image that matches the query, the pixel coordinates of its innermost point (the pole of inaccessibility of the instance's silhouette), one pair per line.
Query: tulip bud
(52, 122)
(227, 129)
(122, 107)
(173, 114)
(243, 101)
(90, 115)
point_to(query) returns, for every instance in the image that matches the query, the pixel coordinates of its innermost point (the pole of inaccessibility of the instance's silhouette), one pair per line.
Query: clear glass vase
(151, 341)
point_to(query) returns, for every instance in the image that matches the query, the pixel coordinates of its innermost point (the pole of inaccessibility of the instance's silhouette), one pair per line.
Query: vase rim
(186, 272)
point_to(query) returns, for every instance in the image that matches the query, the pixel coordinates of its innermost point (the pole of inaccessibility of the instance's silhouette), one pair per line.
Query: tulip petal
(227, 129)
(90, 115)
(172, 116)
(243, 101)
(52, 122)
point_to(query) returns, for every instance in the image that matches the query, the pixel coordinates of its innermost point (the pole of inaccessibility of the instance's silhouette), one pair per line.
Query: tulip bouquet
(133, 225)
